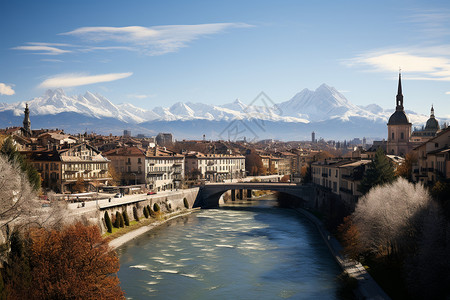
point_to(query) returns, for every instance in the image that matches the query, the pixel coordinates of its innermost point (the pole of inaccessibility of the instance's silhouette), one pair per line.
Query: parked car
(151, 193)
(118, 195)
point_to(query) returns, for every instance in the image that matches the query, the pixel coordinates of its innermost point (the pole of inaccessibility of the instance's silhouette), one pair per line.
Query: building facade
(215, 167)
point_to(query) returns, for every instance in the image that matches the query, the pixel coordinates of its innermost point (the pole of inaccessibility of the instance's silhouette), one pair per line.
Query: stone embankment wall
(171, 202)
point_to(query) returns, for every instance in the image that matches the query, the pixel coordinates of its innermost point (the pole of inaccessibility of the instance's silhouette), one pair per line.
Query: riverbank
(120, 240)
(367, 286)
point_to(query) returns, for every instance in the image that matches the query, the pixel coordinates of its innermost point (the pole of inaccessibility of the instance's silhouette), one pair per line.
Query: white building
(215, 167)
(164, 169)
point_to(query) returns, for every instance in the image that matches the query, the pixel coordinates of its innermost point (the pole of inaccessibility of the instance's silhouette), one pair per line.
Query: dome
(432, 124)
(398, 118)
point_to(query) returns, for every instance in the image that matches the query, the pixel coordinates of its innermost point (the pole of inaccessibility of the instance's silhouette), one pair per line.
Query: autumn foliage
(74, 263)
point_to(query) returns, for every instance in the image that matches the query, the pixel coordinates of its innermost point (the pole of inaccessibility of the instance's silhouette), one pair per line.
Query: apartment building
(433, 159)
(164, 169)
(129, 163)
(215, 167)
(61, 168)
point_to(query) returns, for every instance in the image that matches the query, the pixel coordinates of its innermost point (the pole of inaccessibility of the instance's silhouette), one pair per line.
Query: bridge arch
(209, 194)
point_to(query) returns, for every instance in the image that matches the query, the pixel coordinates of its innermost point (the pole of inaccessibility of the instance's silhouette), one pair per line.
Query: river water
(248, 251)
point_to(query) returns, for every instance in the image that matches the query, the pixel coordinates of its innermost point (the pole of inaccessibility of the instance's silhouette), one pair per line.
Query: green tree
(146, 215)
(10, 151)
(126, 219)
(108, 222)
(135, 213)
(379, 172)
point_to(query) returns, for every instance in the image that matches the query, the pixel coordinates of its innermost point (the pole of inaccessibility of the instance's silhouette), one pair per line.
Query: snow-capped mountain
(308, 109)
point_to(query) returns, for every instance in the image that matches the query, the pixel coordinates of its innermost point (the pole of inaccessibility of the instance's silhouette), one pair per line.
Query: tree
(146, 214)
(389, 217)
(126, 219)
(253, 164)
(135, 213)
(156, 207)
(79, 186)
(116, 176)
(285, 178)
(108, 222)
(74, 263)
(9, 150)
(305, 173)
(17, 196)
(186, 203)
(405, 169)
(379, 171)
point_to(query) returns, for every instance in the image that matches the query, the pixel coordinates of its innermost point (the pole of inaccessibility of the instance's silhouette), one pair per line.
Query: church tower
(399, 127)
(26, 129)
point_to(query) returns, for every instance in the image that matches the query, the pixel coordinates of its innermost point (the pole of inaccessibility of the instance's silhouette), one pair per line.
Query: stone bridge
(209, 194)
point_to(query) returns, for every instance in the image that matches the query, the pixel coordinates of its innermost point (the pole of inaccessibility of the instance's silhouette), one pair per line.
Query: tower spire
(432, 111)
(399, 98)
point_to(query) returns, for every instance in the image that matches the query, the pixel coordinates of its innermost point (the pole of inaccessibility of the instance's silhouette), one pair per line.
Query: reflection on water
(236, 252)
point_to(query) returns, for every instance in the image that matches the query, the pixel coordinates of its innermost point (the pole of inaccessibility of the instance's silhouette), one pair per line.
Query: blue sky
(153, 53)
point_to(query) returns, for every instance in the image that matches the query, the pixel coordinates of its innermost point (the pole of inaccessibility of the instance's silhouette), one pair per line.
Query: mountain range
(324, 110)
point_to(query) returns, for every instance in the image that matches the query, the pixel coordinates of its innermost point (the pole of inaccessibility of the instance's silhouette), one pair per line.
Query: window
(392, 135)
(402, 136)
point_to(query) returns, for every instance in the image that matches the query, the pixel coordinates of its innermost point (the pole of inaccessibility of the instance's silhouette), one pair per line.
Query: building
(399, 127)
(340, 177)
(164, 169)
(215, 167)
(429, 131)
(60, 169)
(127, 133)
(433, 159)
(129, 164)
(164, 139)
(313, 137)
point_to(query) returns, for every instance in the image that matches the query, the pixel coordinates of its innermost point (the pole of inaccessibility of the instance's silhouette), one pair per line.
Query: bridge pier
(249, 194)
(233, 195)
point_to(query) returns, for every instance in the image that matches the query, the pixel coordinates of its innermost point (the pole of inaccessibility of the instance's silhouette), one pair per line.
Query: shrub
(156, 207)
(145, 211)
(125, 218)
(108, 222)
(135, 213)
(186, 203)
(116, 221)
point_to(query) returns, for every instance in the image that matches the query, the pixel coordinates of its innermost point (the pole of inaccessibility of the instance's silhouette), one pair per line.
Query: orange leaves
(72, 263)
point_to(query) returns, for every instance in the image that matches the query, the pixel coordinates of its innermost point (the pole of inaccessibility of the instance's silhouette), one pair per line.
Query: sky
(157, 53)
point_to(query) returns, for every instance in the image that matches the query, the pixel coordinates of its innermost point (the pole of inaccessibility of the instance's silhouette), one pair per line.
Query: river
(252, 250)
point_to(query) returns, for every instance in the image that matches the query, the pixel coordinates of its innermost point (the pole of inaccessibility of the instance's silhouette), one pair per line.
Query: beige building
(433, 159)
(164, 169)
(215, 167)
(129, 164)
(341, 177)
(60, 169)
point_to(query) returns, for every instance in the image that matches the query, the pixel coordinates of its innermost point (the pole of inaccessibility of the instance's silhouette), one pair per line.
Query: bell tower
(26, 122)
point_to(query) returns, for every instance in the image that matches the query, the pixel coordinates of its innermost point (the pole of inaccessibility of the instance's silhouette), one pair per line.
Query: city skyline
(153, 54)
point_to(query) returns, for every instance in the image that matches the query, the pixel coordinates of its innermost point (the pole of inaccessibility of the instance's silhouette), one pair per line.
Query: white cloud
(423, 64)
(447, 93)
(71, 80)
(51, 60)
(155, 40)
(43, 48)
(140, 96)
(6, 90)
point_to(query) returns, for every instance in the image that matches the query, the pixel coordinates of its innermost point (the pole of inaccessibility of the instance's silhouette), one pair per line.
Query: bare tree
(389, 217)
(17, 198)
